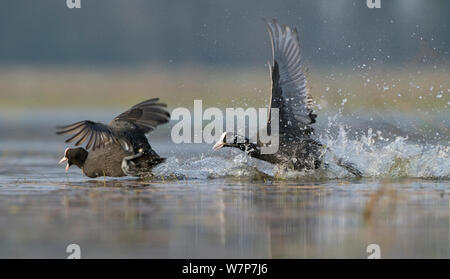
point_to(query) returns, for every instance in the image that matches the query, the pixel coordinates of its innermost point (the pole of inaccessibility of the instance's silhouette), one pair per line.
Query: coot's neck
(251, 149)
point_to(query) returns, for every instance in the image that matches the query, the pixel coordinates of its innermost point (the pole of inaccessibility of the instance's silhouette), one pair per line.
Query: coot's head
(228, 139)
(74, 156)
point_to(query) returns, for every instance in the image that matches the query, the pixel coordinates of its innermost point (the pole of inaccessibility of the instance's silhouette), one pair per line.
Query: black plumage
(123, 137)
(290, 94)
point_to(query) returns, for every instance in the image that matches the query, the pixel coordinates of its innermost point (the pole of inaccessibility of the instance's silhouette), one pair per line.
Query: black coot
(119, 148)
(297, 148)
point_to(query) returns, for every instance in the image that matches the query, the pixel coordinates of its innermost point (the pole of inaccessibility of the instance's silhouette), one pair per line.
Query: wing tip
(284, 30)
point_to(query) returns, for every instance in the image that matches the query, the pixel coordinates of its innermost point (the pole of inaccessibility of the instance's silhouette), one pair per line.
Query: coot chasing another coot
(290, 94)
(119, 148)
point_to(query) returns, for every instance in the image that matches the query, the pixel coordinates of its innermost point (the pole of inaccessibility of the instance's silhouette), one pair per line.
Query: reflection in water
(225, 219)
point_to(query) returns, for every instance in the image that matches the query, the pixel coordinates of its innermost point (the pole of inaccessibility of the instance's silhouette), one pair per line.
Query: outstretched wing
(146, 115)
(289, 90)
(96, 134)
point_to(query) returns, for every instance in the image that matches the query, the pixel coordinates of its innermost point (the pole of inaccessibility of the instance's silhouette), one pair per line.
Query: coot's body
(105, 161)
(119, 148)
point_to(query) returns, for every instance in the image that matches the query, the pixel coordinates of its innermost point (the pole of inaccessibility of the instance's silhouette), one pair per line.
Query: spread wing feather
(289, 89)
(95, 133)
(146, 116)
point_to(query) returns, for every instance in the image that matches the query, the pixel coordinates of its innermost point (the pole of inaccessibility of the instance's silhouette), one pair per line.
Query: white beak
(63, 160)
(221, 142)
(218, 145)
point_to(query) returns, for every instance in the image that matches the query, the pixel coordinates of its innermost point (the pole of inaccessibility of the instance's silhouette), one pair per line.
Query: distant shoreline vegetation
(345, 89)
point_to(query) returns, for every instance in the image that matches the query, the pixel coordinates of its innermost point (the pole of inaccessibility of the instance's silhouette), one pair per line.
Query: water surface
(224, 204)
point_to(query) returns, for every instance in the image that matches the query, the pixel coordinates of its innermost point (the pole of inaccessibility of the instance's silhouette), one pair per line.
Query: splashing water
(370, 153)
(228, 162)
(374, 153)
(398, 158)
